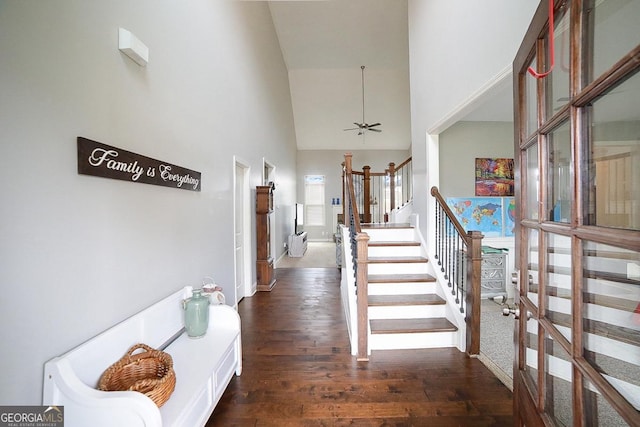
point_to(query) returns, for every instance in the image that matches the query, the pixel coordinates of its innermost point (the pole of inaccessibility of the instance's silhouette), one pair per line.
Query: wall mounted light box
(131, 46)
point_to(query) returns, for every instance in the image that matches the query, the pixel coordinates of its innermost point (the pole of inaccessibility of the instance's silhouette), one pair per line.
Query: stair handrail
(380, 191)
(459, 255)
(405, 171)
(359, 251)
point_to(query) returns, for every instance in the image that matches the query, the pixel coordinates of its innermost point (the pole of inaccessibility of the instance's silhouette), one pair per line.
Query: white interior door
(241, 231)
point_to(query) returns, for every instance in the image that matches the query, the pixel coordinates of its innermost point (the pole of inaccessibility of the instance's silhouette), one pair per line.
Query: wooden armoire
(264, 260)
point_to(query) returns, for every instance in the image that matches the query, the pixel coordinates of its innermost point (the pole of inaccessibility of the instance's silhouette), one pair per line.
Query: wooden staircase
(406, 306)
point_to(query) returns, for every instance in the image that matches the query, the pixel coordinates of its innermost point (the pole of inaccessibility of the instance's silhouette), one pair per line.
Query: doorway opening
(242, 231)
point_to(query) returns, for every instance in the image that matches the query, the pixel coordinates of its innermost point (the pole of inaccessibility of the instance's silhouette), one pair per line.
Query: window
(314, 200)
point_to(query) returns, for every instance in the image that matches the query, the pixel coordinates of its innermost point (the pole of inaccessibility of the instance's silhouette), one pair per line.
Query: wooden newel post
(472, 296)
(392, 186)
(348, 163)
(366, 190)
(362, 295)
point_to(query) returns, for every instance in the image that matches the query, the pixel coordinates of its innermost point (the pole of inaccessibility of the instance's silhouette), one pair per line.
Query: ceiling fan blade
(375, 124)
(375, 130)
(352, 129)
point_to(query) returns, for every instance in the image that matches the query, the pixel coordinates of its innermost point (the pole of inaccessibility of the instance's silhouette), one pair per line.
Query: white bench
(204, 367)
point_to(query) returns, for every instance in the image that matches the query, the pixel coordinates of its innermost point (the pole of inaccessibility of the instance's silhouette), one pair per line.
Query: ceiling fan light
(364, 126)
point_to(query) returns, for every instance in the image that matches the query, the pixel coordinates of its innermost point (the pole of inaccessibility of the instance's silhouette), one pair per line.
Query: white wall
(454, 49)
(461, 144)
(324, 97)
(79, 253)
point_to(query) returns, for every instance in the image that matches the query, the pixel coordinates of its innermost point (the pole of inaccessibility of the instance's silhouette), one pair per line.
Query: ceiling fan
(364, 126)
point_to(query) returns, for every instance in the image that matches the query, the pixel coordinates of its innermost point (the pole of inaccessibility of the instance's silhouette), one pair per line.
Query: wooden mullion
(529, 142)
(551, 329)
(620, 70)
(543, 168)
(561, 228)
(542, 384)
(540, 83)
(577, 331)
(627, 239)
(582, 41)
(556, 120)
(580, 151)
(577, 77)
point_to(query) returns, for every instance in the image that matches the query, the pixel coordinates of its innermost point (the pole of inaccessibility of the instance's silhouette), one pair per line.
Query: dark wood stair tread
(400, 278)
(400, 326)
(403, 300)
(396, 259)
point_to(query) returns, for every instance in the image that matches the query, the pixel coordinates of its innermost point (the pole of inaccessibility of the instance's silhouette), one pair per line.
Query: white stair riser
(392, 234)
(412, 341)
(405, 340)
(402, 288)
(396, 251)
(407, 312)
(397, 268)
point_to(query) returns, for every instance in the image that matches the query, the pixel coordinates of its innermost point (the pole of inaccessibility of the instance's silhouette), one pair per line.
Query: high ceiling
(324, 44)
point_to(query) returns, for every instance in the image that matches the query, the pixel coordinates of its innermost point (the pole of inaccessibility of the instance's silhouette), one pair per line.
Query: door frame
(530, 389)
(242, 203)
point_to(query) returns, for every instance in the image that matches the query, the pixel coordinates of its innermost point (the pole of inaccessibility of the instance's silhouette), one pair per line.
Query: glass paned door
(578, 196)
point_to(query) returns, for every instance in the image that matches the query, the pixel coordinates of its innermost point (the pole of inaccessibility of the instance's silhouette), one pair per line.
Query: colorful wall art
(493, 216)
(494, 177)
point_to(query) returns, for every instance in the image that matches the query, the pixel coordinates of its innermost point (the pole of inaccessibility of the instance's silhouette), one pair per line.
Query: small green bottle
(196, 314)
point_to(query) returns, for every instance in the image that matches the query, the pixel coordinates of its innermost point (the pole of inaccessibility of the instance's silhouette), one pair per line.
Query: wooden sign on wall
(97, 159)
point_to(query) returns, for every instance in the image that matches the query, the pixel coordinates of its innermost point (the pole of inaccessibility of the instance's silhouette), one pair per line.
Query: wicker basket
(149, 372)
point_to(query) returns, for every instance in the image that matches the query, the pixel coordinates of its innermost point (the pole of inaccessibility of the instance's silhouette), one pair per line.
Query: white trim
(250, 287)
(473, 101)
(266, 164)
(433, 179)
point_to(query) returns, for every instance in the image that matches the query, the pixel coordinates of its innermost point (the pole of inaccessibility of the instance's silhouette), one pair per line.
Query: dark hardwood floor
(298, 370)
